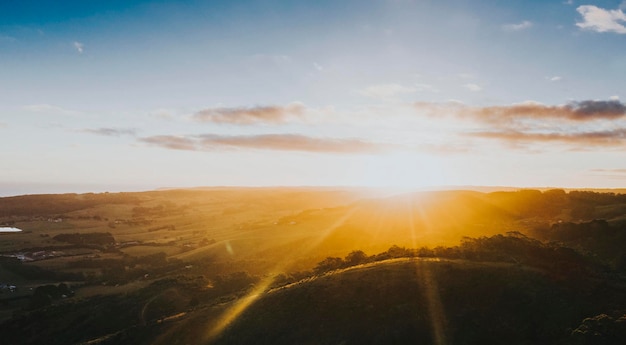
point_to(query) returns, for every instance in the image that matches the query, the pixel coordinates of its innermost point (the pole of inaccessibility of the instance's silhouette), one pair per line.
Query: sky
(136, 95)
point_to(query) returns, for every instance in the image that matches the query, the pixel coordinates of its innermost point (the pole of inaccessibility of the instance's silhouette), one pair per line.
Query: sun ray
(433, 300)
(429, 284)
(240, 306)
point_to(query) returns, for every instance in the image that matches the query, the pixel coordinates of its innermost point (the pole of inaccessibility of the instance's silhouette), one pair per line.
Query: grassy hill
(416, 301)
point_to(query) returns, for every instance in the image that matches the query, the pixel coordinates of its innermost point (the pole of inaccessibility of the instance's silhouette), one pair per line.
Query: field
(237, 263)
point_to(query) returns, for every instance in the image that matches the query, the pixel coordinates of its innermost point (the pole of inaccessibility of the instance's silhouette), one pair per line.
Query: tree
(356, 257)
(329, 264)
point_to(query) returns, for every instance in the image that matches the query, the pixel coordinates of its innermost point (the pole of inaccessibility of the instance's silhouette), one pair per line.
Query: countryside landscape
(328, 172)
(321, 265)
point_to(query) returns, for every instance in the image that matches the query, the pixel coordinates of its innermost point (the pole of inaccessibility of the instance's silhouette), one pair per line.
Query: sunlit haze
(137, 95)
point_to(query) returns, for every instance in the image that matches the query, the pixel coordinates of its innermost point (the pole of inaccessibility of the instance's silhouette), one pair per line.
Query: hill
(419, 301)
(296, 265)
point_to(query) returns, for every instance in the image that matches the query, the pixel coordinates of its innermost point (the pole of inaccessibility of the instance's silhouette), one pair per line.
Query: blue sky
(127, 95)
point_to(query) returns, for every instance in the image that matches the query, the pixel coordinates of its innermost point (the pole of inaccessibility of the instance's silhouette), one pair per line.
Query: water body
(3, 229)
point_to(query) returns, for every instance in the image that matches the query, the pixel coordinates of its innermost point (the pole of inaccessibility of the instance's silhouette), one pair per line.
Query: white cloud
(473, 87)
(318, 66)
(555, 78)
(518, 27)
(79, 47)
(568, 2)
(614, 98)
(601, 20)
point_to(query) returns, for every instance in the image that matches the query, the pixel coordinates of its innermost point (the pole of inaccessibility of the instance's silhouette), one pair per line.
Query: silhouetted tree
(356, 257)
(329, 264)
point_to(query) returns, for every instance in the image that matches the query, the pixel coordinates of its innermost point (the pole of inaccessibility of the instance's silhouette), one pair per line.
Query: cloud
(171, 142)
(318, 66)
(291, 142)
(473, 87)
(575, 111)
(581, 140)
(3, 125)
(79, 47)
(555, 78)
(110, 132)
(278, 142)
(383, 91)
(581, 111)
(518, 27)
(568, 2)
(601, 20)
(249, 116)
(580, 125)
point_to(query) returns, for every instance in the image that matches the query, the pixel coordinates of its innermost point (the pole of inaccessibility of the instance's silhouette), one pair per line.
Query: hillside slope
(419, 301)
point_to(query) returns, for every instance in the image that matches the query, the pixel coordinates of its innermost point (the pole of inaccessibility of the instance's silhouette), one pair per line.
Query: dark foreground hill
(422, 302)
(425, 301)
(397, 300)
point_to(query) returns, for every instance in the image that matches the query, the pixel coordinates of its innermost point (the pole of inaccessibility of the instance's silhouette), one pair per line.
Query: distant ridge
(483, 189)
(363, 189)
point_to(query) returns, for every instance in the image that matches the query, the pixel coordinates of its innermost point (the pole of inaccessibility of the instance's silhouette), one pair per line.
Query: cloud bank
(579, 125)
(588, 110)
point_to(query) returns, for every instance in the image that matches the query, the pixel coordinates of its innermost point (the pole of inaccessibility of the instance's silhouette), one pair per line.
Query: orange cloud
(611, 138)
(576, 111)
(582, 111)
(171, 142)
(580, 125)
(250, 115)
(280, 142)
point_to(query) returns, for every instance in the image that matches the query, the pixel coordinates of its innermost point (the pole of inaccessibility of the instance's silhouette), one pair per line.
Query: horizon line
(52, 189)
